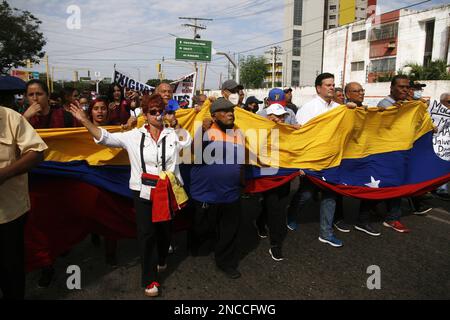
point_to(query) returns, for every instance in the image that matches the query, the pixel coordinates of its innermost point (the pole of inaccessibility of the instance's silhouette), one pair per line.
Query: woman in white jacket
(151, 149)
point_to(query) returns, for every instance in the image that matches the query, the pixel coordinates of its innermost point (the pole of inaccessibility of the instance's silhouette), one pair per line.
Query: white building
(305, 22)
(363, 51)
(423, 36)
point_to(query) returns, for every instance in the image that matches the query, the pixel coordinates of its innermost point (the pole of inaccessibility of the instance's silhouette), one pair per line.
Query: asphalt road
(412, 266)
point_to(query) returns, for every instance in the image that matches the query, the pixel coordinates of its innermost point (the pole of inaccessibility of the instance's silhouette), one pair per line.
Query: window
(383, 65)
(297, 43)
(298, 12)
(358, 66)
(333, 7)
(387, 31)
(332, 16)
(295, 73)
(332, 26)
(360, 35)
(429, 32)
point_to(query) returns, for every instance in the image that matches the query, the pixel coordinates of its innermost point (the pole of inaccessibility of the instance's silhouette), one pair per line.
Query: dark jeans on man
(12, 259)
(393, 207)
(273, 213)
(339, 213)
(150, 235)
(221, 221)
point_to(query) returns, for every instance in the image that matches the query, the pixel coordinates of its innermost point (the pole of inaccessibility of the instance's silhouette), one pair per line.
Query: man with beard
(216, 188)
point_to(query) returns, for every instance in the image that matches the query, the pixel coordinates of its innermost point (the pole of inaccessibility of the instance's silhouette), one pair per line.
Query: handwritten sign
(441, 119)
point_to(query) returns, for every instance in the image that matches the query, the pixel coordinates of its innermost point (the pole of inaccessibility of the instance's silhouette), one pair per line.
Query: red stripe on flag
(409, 190)
(266, 183)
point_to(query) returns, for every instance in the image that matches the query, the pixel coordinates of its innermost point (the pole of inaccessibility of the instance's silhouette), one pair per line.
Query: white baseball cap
(276, 109)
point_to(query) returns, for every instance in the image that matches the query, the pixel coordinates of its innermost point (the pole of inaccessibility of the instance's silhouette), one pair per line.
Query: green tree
(156, 82)
(253, 70)
(434, 70)
(20, 38)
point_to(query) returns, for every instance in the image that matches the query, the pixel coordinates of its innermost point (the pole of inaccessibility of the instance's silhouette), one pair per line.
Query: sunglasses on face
(154, 112)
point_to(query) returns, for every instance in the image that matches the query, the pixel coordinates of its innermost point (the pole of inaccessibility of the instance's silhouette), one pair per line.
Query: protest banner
(184, 90)
(130, 83)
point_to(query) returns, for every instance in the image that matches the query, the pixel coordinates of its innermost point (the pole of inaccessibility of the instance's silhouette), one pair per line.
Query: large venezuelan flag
(366, 153)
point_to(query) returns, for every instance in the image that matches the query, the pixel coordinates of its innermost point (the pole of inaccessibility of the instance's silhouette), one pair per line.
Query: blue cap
(172, 105)
(277, 96)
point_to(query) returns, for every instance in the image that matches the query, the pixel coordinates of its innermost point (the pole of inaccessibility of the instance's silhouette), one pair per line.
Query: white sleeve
(184, 138)
(300, 116)
(113, 140)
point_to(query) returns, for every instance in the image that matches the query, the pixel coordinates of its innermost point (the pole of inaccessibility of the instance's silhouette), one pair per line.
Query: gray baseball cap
(231, 85)
(221, 104)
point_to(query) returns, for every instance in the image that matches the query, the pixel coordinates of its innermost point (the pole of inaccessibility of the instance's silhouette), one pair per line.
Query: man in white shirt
(322, 102)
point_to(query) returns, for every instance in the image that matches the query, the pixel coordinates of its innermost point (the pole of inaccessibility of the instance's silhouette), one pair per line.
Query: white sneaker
(152, 290)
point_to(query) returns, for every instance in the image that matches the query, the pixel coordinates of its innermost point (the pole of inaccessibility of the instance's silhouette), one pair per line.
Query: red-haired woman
(151, 150)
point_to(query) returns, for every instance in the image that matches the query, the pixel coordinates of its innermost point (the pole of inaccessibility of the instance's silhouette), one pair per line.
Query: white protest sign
(441, 119)
(184, 90)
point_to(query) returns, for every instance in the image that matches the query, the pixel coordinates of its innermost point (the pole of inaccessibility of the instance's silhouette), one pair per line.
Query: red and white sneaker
(152, 289)
(396, 225)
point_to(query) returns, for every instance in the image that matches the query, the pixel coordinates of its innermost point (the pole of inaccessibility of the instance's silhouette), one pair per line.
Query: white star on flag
(373, 183)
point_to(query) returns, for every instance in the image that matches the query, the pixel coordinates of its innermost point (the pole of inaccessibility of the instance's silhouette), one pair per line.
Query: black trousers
(12, 259)
(273, 213)
(150, 235)
(221, 221)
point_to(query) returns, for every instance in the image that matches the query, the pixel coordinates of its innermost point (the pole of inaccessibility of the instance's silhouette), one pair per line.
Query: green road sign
(195, 50)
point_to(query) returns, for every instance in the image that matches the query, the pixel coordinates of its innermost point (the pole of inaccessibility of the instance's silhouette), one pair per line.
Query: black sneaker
(422, 210)
(231, 273)
(342, 226)
(275, 253)
(367, 228)
(46, 277)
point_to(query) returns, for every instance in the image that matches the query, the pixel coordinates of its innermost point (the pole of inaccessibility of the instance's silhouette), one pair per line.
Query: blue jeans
(327, 206)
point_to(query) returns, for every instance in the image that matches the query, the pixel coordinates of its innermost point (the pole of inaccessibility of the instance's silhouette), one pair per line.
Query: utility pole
(274, 51)
(204, 77)
(345, 58)
(196, 27)
(53, 79)
(47, 71)
(274, 58)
